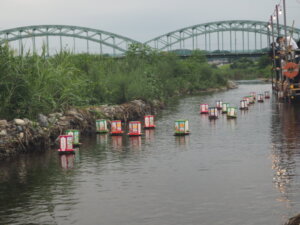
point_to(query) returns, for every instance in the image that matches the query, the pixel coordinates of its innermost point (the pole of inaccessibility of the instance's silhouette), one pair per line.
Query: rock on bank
(23, 135)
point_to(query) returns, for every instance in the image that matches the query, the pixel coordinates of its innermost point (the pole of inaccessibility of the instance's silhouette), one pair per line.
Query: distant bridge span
(114, 41)
(232, 36)
(177, 39)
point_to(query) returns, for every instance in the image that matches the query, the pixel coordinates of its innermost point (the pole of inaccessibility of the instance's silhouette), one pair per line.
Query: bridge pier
(87, 42)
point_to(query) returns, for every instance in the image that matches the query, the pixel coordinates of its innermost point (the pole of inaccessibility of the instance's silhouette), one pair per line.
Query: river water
(244, 171)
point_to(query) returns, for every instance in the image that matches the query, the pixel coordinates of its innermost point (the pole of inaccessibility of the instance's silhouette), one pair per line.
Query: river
(244, 171)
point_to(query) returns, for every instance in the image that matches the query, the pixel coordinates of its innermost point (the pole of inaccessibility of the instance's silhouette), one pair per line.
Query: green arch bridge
(221, 38)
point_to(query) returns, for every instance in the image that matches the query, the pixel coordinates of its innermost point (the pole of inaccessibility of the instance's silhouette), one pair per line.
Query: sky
(140, 20)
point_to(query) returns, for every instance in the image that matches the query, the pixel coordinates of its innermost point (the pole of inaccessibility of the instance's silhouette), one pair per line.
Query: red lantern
(135, 128)
(149, 122)
(203, 108)
(116, 127)
(65, 144)
(260, 98)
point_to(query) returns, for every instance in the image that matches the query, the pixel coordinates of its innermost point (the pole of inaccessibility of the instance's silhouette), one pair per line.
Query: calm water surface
(234, 172)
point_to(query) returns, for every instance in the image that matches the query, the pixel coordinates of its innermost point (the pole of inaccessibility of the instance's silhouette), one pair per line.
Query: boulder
(3, 123)
(294, 220)
(19, 122)
(43, 120)
(3, 133)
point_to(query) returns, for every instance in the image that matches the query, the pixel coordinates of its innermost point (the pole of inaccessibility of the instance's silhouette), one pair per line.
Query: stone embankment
(23, 135)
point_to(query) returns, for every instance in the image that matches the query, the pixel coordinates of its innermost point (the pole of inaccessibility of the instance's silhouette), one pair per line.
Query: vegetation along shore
(52, 94)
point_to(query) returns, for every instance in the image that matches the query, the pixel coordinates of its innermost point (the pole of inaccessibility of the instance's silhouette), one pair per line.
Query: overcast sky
(141, 20)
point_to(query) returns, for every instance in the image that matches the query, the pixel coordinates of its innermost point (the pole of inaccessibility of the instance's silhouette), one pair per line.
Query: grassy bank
(39, 84)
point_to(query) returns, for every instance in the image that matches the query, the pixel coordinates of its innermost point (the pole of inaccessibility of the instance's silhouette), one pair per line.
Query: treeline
(32, 84)
(248, 69)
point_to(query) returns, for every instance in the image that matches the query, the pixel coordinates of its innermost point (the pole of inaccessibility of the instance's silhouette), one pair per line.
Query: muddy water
(244, 171)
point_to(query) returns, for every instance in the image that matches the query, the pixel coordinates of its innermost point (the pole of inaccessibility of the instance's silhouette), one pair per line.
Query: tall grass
(36, 84)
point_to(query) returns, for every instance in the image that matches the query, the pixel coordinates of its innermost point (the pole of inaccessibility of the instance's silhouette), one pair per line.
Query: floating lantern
(231, 112)
(224, 107)
(260, 98)
(116, 127)
(101, 126)
(204, 108)
(253, 94)
(267, 94)
(247, 100)
(65, 144)
(219, 105)
(213, 113)
(135, 128)
(243, 105)
(182, 127)
(75, 134)
(149, 122)
(251, 99)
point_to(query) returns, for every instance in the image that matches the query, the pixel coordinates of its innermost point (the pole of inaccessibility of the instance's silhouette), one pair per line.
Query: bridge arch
(177, 38)
(116, 42)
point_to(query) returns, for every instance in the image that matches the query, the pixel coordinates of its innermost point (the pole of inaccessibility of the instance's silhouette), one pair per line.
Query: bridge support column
(20, 44)
(218, 39)
(209, 40)
(100, 39)
(114, 50)
(205, 35)
(260, 38)
(33, 43)
(243, 37)
(222, 40)
(235, 41)
(248, 41)
(87, 43)
(230, 39)
(193, 34)
(47, 45)
(74, 42)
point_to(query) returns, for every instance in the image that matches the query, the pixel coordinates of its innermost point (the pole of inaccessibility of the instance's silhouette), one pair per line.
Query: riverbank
(23, 135)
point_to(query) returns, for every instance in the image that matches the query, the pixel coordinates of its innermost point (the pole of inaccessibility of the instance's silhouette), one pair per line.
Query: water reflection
(285, 139)
(135, 142)
(117, 142)
(232, 123)
(67, 160)
(102, 139)
(149, 135)
(182, 140)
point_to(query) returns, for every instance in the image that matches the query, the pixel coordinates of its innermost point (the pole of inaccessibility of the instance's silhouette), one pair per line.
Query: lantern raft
(219, 105)
(135, 128)
(232, 113)
(267, 94)
(203, 108)
(243, 105)
(260, 98)
(66, 144)
(149, 122)
(75, 134)
(225, 107)
(101, 126)
(253, 94)
(213, 113)
(181, 127)
(116, 127)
